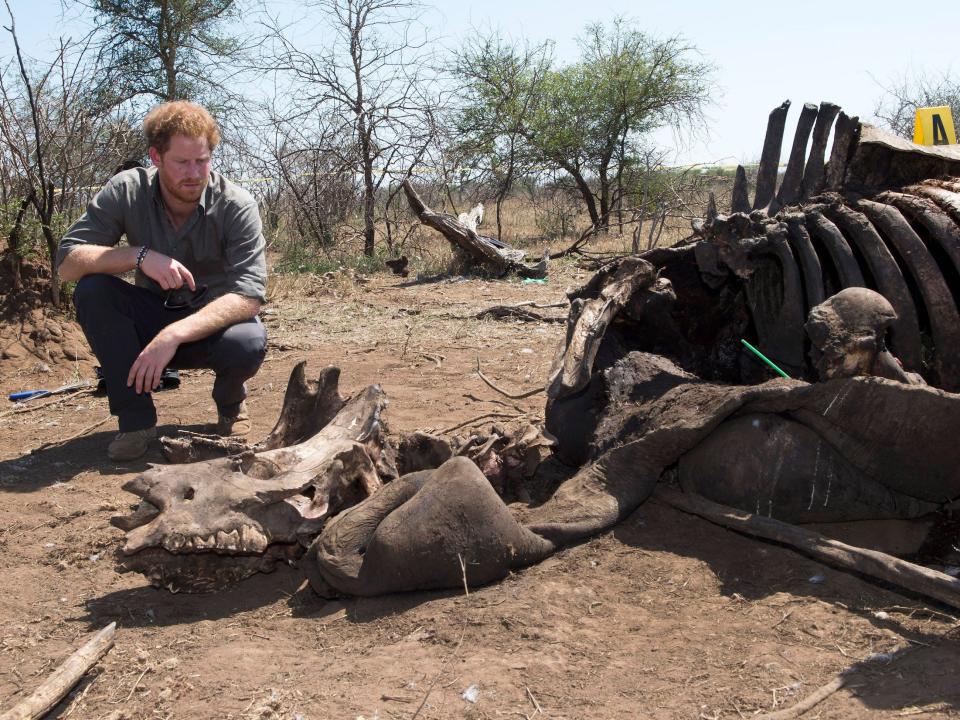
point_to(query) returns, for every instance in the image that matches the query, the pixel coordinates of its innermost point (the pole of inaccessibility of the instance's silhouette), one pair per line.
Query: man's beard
(187, 193)
(183, 192)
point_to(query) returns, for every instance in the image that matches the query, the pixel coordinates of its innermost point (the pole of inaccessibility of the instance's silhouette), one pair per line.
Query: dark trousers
(120, 319)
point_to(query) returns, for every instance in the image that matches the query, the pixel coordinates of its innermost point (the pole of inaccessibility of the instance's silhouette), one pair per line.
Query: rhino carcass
(653, 384)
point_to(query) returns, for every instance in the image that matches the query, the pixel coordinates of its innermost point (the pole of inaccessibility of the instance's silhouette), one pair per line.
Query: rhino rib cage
(881, 213)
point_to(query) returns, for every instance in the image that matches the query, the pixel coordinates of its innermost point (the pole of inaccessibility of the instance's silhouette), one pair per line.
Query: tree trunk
(587, 194)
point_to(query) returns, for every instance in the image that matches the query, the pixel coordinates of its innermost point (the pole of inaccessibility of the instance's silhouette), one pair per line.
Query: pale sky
(765, 52)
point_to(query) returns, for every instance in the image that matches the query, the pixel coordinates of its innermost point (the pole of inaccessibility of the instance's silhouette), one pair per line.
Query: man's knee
(94, 290)
(243, 347)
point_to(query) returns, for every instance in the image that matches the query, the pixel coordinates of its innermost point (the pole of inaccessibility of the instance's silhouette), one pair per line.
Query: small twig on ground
(39, 406)
(463, 570)
(79, 699)
(501, 312)
(810, 701)
(57, 443)
(396, 698)
(406, 340)
(438, 359)
(135, 684)
(534, 701)
(489, 382)
(785, 616)
(483, 416)
(471, 396)
(436, 677)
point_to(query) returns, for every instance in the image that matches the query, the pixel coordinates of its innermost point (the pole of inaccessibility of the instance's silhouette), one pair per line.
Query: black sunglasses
(175, 299)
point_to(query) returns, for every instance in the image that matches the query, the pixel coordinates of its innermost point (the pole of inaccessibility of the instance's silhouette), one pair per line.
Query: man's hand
(148, 367)
(167, 272)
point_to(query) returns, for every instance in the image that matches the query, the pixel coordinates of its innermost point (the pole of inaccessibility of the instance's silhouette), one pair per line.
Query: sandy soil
(666, 616)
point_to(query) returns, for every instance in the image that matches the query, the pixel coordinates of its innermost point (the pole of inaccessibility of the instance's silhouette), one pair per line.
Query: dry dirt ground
(666, 616)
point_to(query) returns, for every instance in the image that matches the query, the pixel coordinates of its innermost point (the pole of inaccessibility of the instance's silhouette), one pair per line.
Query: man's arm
(85, 260)
(89, 259)
(226, 310)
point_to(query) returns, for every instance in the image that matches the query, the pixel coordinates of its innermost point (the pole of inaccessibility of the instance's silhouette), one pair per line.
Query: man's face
(184, 168)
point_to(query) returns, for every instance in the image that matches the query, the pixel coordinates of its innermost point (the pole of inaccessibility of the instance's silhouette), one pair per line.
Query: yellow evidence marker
(934, 126)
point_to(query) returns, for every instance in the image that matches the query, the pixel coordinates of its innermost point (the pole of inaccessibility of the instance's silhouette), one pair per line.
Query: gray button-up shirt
(221, 243)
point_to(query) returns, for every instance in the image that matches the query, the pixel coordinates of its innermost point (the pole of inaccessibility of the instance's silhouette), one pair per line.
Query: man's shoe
(235, 426)
(130, 445)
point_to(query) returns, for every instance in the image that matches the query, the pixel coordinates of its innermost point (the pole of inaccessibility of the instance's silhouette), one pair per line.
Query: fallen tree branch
(484, 416)
(528, 393)
(493, 253)
(55, 688)
(872, 563)
(810, 701)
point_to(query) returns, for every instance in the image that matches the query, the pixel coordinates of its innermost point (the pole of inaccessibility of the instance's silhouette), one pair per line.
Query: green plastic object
(763, 357)
(534, 281)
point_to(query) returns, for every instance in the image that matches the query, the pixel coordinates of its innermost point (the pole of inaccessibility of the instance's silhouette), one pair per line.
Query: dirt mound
(31, 330)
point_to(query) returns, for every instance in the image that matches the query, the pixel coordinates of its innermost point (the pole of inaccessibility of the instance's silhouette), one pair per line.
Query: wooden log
(790, 188)
(478, 248)
(844, 141)
(814, 173)
(55, 687)
(770, 157)
(872, 563)
(740, 199)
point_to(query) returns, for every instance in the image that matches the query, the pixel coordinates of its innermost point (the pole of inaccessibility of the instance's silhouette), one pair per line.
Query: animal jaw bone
(210, 523)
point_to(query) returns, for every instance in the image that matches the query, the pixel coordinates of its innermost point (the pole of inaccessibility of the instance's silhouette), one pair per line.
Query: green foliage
(163, 49)
(586, 119)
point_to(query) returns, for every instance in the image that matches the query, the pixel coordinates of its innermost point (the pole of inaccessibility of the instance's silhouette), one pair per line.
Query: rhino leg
(429, 530)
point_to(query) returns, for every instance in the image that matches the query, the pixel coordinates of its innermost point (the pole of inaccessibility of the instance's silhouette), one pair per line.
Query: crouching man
(195, 241)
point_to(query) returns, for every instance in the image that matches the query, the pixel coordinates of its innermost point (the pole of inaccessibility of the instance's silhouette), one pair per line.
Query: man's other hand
(148, 367)
(167, 272)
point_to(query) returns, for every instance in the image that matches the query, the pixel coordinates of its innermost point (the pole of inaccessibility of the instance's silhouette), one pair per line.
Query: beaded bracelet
(141, 255)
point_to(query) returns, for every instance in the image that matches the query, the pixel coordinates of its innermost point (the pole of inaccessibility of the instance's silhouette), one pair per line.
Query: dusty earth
(666, 616)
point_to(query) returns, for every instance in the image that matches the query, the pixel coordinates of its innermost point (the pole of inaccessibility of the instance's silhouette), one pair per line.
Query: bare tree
(367, 81)
(59, 146)
(898, 106)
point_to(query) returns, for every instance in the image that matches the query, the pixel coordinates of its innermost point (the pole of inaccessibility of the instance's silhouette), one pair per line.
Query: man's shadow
(61, 463)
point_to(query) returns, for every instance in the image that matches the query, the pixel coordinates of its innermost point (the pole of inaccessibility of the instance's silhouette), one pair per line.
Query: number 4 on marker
(934, 126)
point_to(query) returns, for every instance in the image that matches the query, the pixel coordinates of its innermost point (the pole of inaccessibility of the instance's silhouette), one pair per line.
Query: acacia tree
(586, 119)
(366, 81)
(504, 88)
(164, 49)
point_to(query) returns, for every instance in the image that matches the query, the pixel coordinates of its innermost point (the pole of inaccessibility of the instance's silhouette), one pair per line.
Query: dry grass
(533, 223)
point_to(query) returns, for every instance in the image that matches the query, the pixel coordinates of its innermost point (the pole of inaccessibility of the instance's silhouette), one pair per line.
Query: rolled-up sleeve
(101, 224)
(245, 251)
